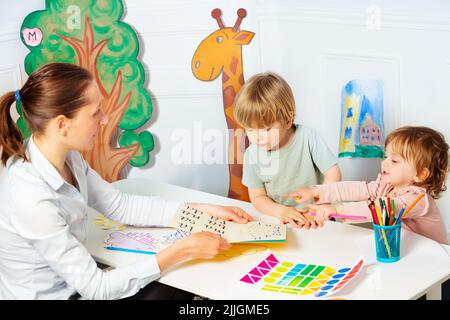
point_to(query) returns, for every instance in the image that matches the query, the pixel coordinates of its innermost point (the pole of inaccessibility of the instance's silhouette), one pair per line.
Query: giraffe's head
(219, 47)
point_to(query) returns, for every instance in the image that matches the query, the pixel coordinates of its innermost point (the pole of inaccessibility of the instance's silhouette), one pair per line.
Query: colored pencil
(378, 215)
(391, 221)
(385, 238)
(374, 212)
(343, 216)
(383, 233)
(385, 214)
(388, 201)
(347, 216)
(129, 250)
(369, 205)
(396, 222)
(413, 204)
(400, 215)
(374, 216)
(387, 244)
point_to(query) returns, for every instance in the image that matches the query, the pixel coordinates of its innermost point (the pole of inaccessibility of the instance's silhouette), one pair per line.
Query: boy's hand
(303, 195)
(309, 224)
(297, 218)
(294, 217)
(322, 212)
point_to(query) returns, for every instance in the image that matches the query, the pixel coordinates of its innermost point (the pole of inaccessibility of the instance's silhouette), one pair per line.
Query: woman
(45, 189)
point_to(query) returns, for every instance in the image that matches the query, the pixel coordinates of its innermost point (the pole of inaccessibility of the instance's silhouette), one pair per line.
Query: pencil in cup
(387, 242)
(380, 234)
(392, 215)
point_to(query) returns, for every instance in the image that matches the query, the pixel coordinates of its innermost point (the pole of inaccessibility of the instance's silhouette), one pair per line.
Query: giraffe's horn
(241, 14)
(216, 14)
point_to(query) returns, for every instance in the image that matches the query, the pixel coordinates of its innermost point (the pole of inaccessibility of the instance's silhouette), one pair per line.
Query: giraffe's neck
(232, 81)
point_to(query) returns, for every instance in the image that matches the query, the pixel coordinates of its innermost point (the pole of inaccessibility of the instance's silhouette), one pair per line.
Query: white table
(423, 267)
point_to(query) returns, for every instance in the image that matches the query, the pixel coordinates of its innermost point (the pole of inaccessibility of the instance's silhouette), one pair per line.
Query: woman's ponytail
(10, 136)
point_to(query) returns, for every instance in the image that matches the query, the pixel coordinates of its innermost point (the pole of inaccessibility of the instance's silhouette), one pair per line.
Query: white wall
(316, 45)
(324, 45)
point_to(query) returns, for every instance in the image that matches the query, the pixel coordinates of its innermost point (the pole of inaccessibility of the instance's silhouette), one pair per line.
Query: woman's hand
(204, 245)
(228, 213)
(303, 195)
(199, 245)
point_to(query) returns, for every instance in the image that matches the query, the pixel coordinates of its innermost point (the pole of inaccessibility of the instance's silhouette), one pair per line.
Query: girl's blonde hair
(424, 148)
(264, 99)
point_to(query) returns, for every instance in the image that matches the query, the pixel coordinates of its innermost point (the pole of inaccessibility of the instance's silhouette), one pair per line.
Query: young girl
(45, 189)
(416, 163)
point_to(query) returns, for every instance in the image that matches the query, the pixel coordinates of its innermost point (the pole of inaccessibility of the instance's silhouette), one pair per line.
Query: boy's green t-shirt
(299, 164)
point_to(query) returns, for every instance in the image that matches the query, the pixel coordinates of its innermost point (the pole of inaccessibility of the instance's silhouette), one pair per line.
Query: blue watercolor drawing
(362, 119)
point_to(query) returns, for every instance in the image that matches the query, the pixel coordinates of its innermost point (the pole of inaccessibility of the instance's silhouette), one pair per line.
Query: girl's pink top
(424, 218)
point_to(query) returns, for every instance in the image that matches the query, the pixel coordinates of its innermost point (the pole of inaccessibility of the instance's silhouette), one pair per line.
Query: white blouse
(43, 227)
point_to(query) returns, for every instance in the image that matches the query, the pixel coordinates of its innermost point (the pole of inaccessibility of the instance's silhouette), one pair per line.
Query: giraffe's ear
(243, 37)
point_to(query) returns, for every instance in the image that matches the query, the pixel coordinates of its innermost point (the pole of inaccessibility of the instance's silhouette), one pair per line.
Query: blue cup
(387, 242)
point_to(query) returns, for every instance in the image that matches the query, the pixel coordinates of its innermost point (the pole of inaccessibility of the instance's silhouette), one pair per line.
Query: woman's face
(85, 126)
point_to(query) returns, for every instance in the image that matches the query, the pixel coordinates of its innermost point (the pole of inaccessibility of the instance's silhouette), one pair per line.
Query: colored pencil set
(384, 215)
(387, 227)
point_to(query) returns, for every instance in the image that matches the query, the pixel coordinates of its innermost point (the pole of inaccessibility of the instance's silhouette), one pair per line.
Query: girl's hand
(228, 213)
(322, 212)
(303, 195)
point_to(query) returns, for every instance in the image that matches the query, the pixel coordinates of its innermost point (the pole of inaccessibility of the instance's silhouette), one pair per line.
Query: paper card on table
(299, 278)
(107, 224)
(142, 241)
(191, 220)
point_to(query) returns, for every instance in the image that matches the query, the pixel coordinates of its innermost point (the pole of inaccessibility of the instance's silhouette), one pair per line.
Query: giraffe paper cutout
(221, 53)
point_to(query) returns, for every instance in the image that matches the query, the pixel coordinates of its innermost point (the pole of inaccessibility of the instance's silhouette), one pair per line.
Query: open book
(191, 220)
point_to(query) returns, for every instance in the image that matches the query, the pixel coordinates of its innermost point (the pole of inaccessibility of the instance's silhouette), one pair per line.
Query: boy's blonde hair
(264, 99)
(424, 148)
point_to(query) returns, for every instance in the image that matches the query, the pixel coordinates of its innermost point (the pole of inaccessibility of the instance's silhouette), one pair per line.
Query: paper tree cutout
(89, 33)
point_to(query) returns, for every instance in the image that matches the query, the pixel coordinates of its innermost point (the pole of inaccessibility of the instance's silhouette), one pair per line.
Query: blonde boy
(283, 156)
